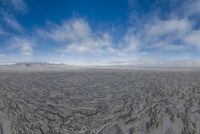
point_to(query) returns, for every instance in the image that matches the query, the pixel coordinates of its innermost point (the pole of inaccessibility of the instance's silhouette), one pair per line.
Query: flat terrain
(100, 101)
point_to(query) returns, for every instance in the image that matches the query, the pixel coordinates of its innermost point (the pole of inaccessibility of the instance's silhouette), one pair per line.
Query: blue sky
(100, 32)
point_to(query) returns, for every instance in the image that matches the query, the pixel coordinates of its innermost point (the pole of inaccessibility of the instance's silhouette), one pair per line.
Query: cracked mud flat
(100, 101)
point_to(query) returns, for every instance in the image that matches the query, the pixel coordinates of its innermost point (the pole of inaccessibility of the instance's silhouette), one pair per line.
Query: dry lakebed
(99, 101)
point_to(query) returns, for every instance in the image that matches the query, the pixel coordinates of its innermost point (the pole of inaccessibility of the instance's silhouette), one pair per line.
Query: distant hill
(40, 64)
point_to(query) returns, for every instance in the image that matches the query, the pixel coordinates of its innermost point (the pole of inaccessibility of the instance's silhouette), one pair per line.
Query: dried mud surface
(100, 101)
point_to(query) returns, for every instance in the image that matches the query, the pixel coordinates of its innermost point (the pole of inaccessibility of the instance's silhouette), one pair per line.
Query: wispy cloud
(130, 41)
(193, 38)
(169, 47)
(24, 45)
(77, 36)
(12, 23)
(19, 5)
(159, 27)
(166, 34)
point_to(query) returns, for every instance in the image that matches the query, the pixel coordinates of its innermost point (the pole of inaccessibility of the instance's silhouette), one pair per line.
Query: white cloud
(164, 27)
(24, 45)
(193, 38)
(71, 30)
(81, 28)
(163, 34)
(131, 42)
(191, 7)
(170, 47)
(166, 35)
(78, 37)
(78, 48)
(12, 22)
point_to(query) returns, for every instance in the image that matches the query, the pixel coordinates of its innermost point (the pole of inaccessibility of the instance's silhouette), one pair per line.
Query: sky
(101, 32)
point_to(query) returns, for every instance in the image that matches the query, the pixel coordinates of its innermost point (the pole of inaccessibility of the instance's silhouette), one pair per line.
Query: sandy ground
(99, 101)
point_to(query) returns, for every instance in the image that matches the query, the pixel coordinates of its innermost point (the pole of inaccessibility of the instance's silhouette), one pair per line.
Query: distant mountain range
(40, 64)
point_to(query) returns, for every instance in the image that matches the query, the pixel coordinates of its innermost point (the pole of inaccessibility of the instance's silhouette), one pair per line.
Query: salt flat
(99, 101)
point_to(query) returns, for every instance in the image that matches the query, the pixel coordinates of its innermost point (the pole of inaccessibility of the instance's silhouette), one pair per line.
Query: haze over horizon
(100, 32)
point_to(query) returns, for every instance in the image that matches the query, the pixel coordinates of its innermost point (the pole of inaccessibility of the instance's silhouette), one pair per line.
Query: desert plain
(99, 101)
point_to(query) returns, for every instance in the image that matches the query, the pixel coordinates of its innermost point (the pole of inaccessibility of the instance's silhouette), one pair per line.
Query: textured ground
(100, 101)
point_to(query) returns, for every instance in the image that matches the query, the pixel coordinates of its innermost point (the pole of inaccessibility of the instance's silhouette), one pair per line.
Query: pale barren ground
(99, 101)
